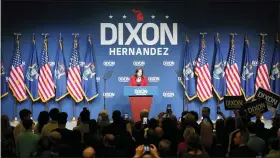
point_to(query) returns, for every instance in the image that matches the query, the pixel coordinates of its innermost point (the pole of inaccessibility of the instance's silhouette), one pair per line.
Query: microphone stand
(106, 77)
(179, 74)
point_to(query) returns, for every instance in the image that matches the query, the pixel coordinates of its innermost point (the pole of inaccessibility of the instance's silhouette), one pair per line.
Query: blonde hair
(206, 134)
(189, 117)
(188, 132)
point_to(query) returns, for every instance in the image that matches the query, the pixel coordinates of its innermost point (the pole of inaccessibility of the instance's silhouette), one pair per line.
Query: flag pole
(262, 40)
(88, 106)
(31, 108)
(218, 117)
(47, 106)
(15, 111)
(74, 105)
(201, 118)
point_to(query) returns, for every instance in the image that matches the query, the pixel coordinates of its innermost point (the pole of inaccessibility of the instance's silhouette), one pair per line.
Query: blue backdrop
(84, 18)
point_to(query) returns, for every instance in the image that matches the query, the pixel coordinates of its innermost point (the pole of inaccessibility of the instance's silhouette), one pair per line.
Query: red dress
(144, 81)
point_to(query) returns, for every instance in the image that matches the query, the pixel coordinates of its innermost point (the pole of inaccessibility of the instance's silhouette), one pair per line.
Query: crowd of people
(162, 136)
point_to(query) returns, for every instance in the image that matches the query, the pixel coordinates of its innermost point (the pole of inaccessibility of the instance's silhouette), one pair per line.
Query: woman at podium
(138, 79)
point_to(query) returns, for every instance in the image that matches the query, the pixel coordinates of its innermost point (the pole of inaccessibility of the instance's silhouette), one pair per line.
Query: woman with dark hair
(43, 119)
(195, 148)
(138, 79)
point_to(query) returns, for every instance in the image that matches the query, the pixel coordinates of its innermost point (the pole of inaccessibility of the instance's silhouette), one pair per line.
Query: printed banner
(272, 99)
(233, 102)
(250, 109)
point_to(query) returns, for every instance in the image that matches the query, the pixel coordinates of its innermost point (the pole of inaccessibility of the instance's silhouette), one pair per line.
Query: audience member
(24, 114)
(53, 124)
(241, 139)
(84, 126)
(182, 147)
(43, 119)
(65, 133)
(220, 139)
(274, 148)
(103, 120)
(27, 141)
(164, 148)
(89, 153)
(195, 148)
(7, 137)
(255, 143)
(162, 136)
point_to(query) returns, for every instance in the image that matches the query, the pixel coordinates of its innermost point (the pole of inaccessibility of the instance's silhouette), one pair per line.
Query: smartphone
(179, 119)
(146, 148)
(145, 120)
(126, 116)
(168, 106)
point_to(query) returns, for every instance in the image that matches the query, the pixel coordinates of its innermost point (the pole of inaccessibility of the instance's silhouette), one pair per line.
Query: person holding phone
(138, 79)
(146, 150)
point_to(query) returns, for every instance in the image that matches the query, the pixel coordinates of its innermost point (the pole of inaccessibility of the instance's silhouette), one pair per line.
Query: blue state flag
(89, 73)
(218, 73)
(32, 73)
(60, 78)
(247, 75)
(275, 69)
(188, 81)
(4, 82)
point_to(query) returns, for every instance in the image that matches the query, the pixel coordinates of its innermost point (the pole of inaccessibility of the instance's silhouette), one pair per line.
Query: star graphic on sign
(124, 17)
(153, 16)
(166, 16)
(110, 16)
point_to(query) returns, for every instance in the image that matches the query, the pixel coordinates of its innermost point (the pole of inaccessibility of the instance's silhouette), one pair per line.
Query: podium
(140, 97)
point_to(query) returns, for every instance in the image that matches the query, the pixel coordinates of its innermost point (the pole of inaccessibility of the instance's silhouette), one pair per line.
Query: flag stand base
(15, 119)
(73, 119)
(218, 117)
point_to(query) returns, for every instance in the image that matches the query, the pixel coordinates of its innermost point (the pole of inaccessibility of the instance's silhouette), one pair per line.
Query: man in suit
(241, 139)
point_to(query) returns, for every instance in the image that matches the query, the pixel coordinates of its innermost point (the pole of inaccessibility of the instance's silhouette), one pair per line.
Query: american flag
(16, 79)
(232, 73)
(262, 73)
(74, 81)
(204, 86)
(45, 84)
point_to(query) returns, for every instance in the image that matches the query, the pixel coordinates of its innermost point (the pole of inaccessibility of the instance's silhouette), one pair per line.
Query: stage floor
(71, 124)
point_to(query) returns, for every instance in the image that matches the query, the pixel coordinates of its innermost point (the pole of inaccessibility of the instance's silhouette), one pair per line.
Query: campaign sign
(250, 109)
(233, 102)
(271, 99)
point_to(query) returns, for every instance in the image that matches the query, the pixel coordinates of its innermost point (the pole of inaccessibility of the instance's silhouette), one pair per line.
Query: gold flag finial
(218, 38)
(33, 38)
(262, 37)
(75, 39)
(89, 39)
(187, 38)
(232, 38)
(203, 41)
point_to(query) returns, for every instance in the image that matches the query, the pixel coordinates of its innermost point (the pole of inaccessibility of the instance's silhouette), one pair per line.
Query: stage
(71, 124)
